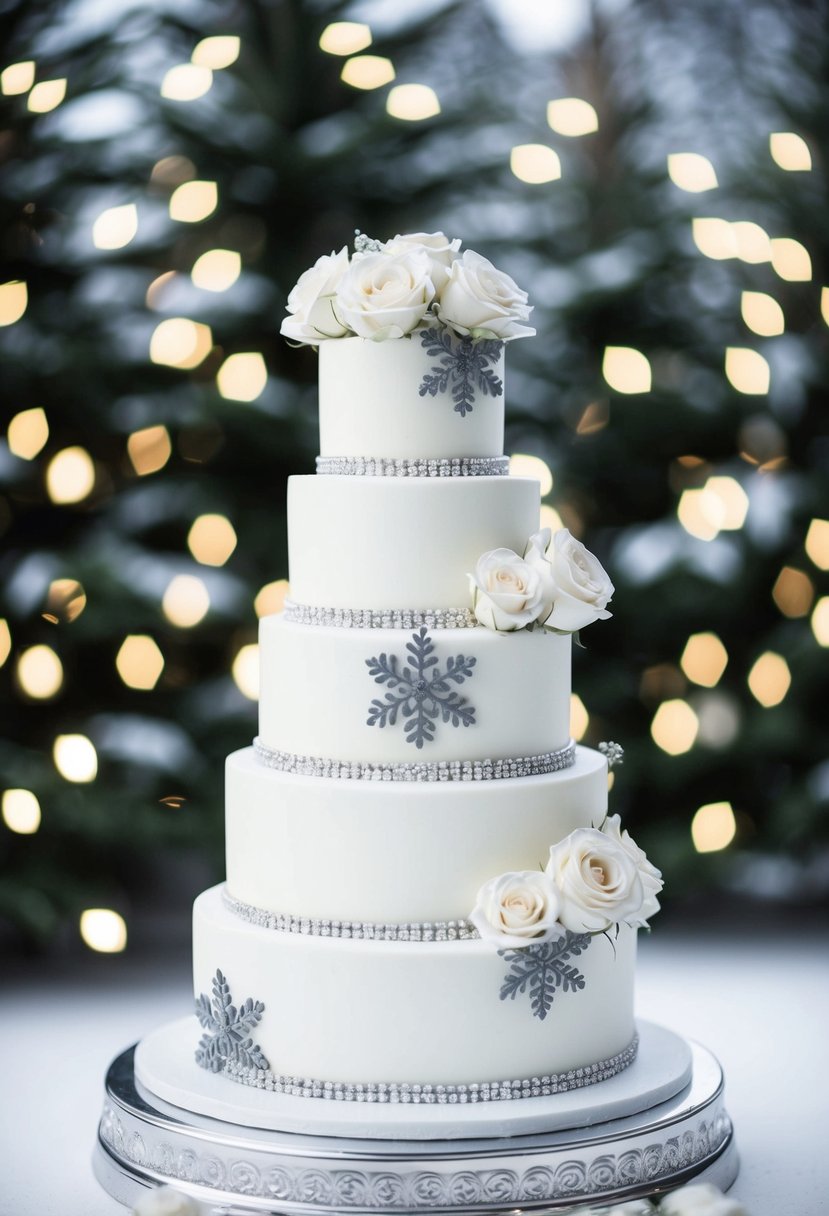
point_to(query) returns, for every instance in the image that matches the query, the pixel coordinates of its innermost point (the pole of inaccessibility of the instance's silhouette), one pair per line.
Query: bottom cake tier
(378, 1020)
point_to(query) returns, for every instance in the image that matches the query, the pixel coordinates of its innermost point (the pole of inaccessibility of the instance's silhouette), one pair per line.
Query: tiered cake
(426, 900)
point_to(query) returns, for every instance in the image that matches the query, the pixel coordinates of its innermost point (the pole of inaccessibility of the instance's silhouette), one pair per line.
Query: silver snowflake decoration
(227, 1027)
(463, 366)
(420, 692)
(614, 753)
(543, 970)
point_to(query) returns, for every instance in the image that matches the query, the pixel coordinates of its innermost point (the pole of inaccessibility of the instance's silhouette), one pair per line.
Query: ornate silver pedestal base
(238, 1170)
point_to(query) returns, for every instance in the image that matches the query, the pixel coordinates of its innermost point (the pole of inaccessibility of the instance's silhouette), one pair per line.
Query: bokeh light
(193, 201)
(713, 827)
(180, 342)
(691, 172)
(674, 727)
(186, 82)
(790, 151)
(412, 102)
(793, 592)
(217, 52)
(65, 600)
(46, 96)
(762, 314)
(186, 601)
(39, 672)
(791, 260)
(17, 78)
(75, 758)
(714, 237)
(70, 476)
(115, 227)
(27, 433)
(271, 598)
(14, 297)
(747, 371)
(770, 679)
(521, 465)
(367, 72)
(149, 449)
(216, 270)
(572, 116)
(751, 242)
(535, 163)
(626, 370)
(242, 377)
(704, 659)
(211, 539)
(817, 543)
(820, 621)
(5, 640)
(21, 811)
(245, 671)
(345, 38)
(139, 662)
(103, 930)
(550, 518)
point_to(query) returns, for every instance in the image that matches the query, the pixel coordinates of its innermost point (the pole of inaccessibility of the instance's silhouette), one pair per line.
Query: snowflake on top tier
(421, 693)
(227, 1038)
(544, 969)
(464, 364)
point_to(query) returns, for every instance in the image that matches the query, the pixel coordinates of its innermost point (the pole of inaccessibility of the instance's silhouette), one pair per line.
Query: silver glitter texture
(614, 753)
(435, 1095)
(423, 770)
(389, 466)
(379, 618)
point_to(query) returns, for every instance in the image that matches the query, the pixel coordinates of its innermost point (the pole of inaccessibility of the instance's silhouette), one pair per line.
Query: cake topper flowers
(412, 283)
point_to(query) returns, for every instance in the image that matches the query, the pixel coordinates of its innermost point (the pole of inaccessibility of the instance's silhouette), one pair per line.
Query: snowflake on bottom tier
(544, 969)
(421, 692)
(464, 364)
(227, 1028)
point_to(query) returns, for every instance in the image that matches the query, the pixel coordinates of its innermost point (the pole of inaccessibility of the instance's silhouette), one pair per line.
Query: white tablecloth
(758, 999)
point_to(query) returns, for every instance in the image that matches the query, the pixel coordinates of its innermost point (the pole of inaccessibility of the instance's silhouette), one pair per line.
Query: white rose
(478, 299)
(166, 1201)
(535, 555)
(440, 250)
(700, 1199)
(597, 882)
(516, 910)
(508, 593)
(650, 877)
(583, 588)
(386, 295)
(311, 304)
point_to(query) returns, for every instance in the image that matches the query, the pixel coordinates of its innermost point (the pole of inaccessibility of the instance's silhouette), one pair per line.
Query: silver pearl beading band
(434, 1095)
(427, 466)
(436, 770)
(427, 931)
(379, 618)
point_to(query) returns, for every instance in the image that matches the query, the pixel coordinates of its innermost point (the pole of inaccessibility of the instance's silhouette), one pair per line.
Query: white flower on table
(583, 589)
(517, 909)
(650, 877)
(439, 249)
(386, 295)
(510, 592)
(480, 300)
(700, 1199)
(166, 1201)
(312, 315)
(597, 881)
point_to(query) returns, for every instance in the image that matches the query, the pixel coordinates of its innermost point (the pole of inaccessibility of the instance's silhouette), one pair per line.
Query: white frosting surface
(370, 404)
(316, 689)
(385, 542)
(426, 1013)
(395, 852)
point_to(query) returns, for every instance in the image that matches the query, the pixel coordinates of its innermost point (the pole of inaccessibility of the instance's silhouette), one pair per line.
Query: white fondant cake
(423, 886)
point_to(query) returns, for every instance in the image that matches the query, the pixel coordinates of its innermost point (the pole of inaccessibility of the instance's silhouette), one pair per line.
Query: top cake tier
(427, 395)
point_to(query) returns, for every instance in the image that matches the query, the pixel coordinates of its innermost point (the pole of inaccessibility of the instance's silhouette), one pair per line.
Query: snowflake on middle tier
(421, 692)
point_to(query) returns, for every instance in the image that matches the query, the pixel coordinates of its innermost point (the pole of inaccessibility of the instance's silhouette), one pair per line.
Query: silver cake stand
(235, 1167)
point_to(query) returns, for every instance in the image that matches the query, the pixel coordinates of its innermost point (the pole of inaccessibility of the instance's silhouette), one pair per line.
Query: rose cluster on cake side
(557, 584)
(395, 288)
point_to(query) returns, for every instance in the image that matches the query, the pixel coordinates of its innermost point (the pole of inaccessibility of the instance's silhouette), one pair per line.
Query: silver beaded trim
(427, 931)
(436, 770)
(380, 618)
(427, 466)
(434, 1095)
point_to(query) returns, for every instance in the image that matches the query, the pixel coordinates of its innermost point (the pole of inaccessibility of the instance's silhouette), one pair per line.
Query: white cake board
(165, 1068)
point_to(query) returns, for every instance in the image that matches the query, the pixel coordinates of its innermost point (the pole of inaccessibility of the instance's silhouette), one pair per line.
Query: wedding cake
(426, 899)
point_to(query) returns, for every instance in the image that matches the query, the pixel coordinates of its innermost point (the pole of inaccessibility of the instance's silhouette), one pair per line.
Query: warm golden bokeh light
(5, 640)
(674, 727)
(691, 172)
(699, 514)
(572, 116)
(27, 434)
(217, 52)
(762, 314)
(817, 543)
(271, 598)
(412, 102)
(367, 72)
(139, 661)
(192, 202)
(550, 518)
(186, 82)
(535, 163)
(579, 718)
(75, 758)
(14, 297)
(65, 599)
(21, 811)
(594, 418)
(704, 659)
(246, 671)
(626, 370)
(115, 227)
(186, 601)
(751, 241)
(770, 679)
(746, 370)
(172, 171)
(521, 465)
(149, 449)
(216, 270)
(791, 260)
(824, 304)
(733, 502)
(820, 621)
(242, 377)
(714, 238)
(17, 78)
(103, 930)
(790, 151)
(793, 592)
(713, 827)
(211, 539)
(180, 342)
(345, 38)
(39, 672)
(46, 96)
(70, 475)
